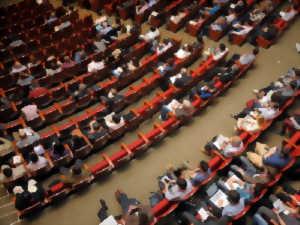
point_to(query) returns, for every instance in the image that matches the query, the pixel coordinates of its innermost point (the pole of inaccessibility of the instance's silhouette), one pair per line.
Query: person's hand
(241, 171)
(275, 211)
(292, 118)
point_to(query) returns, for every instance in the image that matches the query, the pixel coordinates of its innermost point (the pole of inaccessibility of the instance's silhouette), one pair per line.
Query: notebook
(202, 212)
(218, 196)
(109, 221)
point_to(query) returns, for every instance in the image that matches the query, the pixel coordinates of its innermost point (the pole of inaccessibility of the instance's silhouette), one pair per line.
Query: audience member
(27, 137)
(37, 162)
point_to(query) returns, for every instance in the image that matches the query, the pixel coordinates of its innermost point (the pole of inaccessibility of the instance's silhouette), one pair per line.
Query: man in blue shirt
(201, 173)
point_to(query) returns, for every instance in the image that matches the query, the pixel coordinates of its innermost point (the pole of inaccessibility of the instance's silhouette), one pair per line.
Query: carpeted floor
(138, 179)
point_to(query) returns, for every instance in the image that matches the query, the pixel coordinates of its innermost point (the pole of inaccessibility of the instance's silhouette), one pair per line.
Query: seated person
(36, 191)
(183, 52)
(132, 65)
(67, 63)
(181, 79)
(51, 18)
(210, 220)
(208, 11)
(241, 29)
(77, 142)
(220, 52)
(80, 56)
(229, 74)
(163, 46)
(178, 17)
(219, 24)
(226, 146)
(96, 64)
(52, 68)
(176, 190)
(30, 112)
(248, 58)
(151, 35)
(37, 91)
(120, 71)
(114, 121)
(58, 150)
(250, 173)
(37, 162)
(27, 137)
(248, 191)
(204, 92)
(98, 44)
(250, 124)
(23, 198)
(290, 14)
(201, 173)
(268, 32)
(112, 98)
(17, 67)
(74, 175)
(141, 8)
(235, 206)
(10, 174)
(4, 103)
(177, 108)
(276, 158)
(164, 68)
(80, 92)
(25, 79)
(95, 131)
(134, 211)
(62, 26)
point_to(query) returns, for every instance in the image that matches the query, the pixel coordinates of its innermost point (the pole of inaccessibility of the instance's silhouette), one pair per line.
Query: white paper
(109, 221)
(202, 212)
(219, 195)
(220, 141)
(235, 185)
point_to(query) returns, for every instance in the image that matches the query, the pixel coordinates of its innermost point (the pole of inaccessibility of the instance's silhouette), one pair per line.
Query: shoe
(103, 204)
(298, 47)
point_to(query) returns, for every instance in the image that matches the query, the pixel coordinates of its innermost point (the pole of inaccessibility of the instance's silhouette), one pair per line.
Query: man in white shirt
(114, 121)
(220, 52)
(242, 29)
(269, 112)
(286, 16)
(183, 52)
(163, 47)
(96, 64)
(248, 58)
(36, 162)
(151, 35)
(177, 190)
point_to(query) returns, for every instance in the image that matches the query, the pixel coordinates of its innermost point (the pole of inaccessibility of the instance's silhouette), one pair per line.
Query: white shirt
(286, 16)
(42, 162)
(246, 59)
(181, 54)
(161, 50)
(111, 124)
(268, 113)
(219, 55)
(248, 123)
(95, 66)
(151, 35)
(230, 18)
(18, 70)
(174, 192)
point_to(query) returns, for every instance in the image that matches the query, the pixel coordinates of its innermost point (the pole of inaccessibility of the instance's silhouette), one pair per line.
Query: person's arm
(280, 220)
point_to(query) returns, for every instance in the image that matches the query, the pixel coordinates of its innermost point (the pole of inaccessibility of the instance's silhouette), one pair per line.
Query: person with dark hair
(36, 162)
(276, 158)
(77, 142)
(248, 57)
(96, 64)
(220, 52)
(52, 68)
(23, 198)
(113, 97)
(10, 174)
(151, 35)
(268, 32)
(177, 189)
(201, 173)
(58, 150)
(114, 121)
(27, 137)
(67, 63)
(236, 204)
(134, 212)
(95, 131)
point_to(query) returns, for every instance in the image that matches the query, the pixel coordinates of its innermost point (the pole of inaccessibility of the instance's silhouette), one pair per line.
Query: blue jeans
(126, 202)
(259, 219)
(164, 112)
